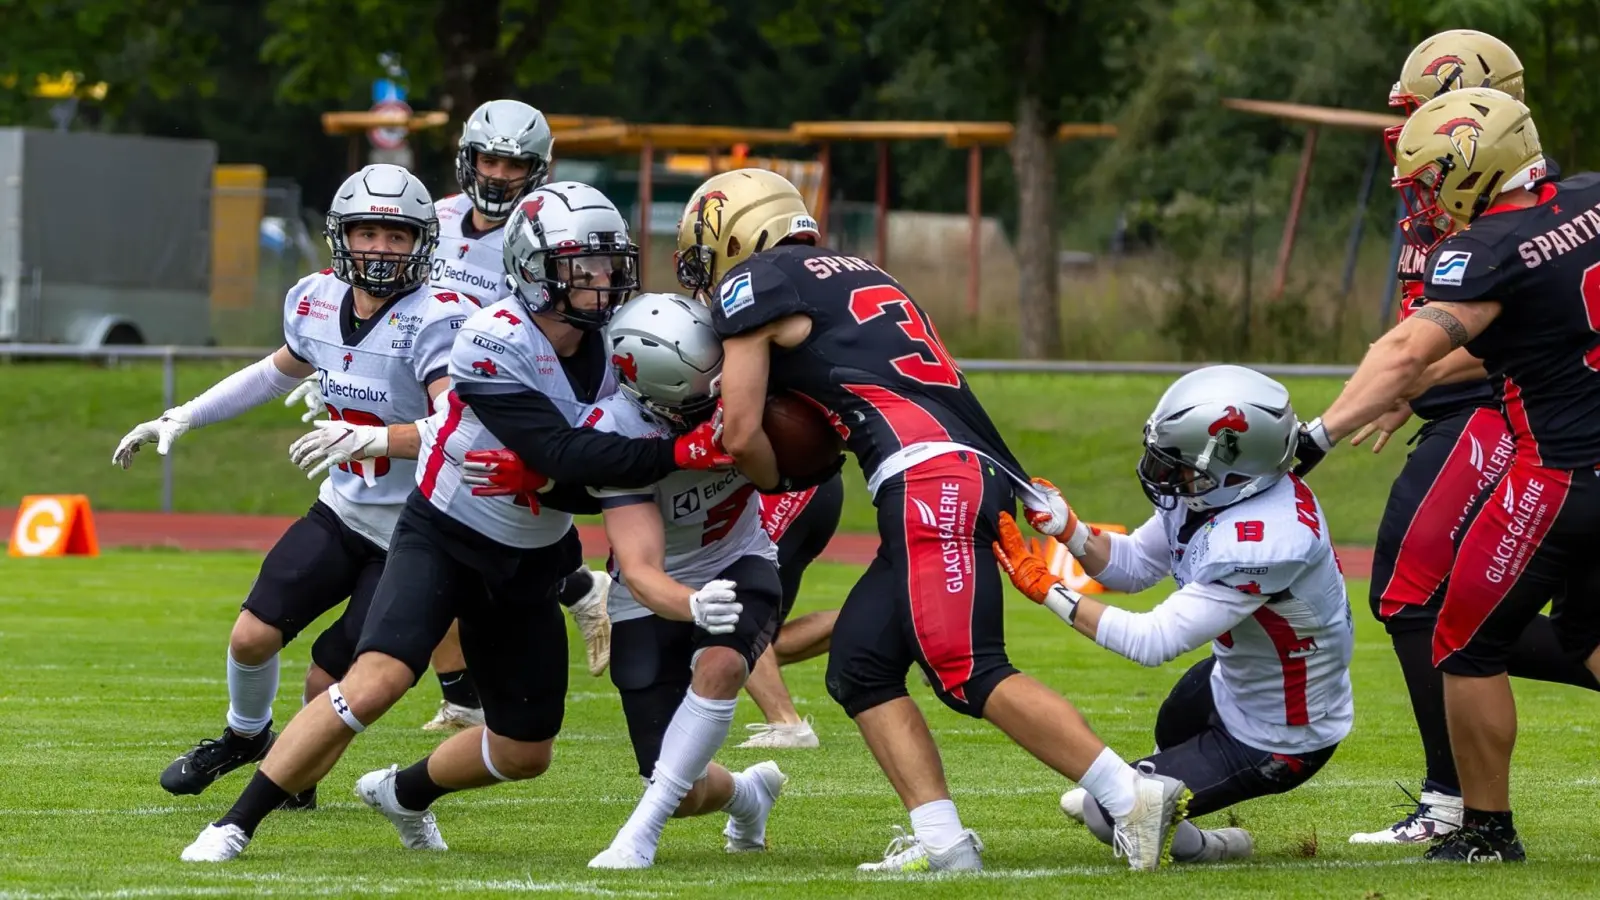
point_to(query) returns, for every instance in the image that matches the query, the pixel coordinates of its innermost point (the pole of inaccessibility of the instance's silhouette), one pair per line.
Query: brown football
(801, 438)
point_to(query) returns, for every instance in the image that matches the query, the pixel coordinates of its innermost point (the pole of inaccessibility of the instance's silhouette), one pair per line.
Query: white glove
(163, 431)
(716, 607)
(309, 392)
(331, 443)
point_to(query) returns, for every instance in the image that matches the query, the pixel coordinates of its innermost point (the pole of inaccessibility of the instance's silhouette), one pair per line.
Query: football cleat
(907, 853)
(454, 717)
(614, 857)
(418, 830)
(768, 781)
(218, 843)
(1434, 816)
(1144, 835)
(210, 759)
(767, 736)
(1473, 845)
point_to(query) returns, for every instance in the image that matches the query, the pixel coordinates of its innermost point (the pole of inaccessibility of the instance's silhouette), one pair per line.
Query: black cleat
(305, 800)
(1472, 845)
(210, 759)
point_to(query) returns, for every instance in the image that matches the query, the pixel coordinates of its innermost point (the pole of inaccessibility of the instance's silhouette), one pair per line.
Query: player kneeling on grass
(696, 597)
(1249, 549)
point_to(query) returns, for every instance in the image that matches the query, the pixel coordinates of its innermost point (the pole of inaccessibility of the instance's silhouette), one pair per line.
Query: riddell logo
(486, 368)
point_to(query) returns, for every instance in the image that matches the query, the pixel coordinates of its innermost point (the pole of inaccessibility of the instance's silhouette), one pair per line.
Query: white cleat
(452, 717)
(1435, 816)
(1144, 836)
(751, 836)
(907, 853)
(619, 858)
(1072, 804)
(218, 843)
(589, 614)
(767, 736)
(418, 830)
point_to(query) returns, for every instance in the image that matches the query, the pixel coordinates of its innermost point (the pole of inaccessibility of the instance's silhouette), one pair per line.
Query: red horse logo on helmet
(1232, 420)
(627, 366)
(531, 206)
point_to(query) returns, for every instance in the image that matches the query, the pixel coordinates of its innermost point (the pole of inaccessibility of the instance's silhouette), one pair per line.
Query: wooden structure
(1315, 118)
(356, 123)
(974, 136)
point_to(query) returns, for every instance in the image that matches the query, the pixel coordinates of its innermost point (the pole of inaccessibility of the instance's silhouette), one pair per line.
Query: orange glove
(1026, 564)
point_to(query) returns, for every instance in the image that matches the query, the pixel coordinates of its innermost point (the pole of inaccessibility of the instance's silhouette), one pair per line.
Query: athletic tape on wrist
(342, 709)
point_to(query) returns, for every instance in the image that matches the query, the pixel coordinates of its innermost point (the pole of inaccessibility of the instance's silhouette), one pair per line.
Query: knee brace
(341, 708)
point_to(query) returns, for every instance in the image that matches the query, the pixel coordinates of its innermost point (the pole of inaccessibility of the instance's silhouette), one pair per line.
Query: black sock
(261, 796)
(414, 790)
(1414, 648)
(459, 688)
(571, 589)
(1492, 824)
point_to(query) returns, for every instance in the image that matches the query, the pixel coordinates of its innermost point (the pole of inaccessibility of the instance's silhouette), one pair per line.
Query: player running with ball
(1257, 579)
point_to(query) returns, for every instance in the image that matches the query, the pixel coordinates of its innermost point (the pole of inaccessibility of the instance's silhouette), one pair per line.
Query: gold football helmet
(733, 215)
(1456, 154)
(1449, 60)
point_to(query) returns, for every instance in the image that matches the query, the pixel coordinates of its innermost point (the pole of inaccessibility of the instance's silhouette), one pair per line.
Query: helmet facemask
(381, 273)
(607, 267)
(1426, 223)
(495, 198)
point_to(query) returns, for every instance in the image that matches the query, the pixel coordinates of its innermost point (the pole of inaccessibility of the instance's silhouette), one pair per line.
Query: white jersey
(499, 348)
(467, 261)
(373, 373)
(1261, 579)
(710, 519)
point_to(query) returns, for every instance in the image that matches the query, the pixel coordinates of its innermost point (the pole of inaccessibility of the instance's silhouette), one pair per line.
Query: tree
(1035, 63)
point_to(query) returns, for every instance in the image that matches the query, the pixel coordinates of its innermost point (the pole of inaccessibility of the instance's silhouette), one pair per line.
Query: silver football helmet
(389, 194)
(567, 238)
(667, 357)
(1218, 435)
(510, 129)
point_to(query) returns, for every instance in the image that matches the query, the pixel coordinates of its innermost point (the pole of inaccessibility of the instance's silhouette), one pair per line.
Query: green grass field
(1081, 431)
(110, 666)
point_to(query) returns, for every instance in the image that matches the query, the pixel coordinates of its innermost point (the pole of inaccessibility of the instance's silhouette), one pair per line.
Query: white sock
(1112, 782)
(250, 693)
(693, 737)
(936, 823)
(745, 804)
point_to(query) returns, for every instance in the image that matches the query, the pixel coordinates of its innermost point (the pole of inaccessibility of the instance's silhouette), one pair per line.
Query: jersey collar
(353, 330)
(1545, 190)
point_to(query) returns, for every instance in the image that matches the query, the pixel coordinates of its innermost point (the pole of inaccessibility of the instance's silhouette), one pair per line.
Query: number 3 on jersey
(868, 303)
(380, 464)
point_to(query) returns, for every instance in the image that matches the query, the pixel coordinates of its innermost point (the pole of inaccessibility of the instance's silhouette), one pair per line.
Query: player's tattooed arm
(1452, 326)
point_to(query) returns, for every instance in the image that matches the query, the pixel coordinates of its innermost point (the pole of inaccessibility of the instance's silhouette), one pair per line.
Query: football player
(522, 370)
(504, 153)
(378, 340)
(1464, 444)
(696, 596)
(1257, 579)
(1516, 290)
(940, 475)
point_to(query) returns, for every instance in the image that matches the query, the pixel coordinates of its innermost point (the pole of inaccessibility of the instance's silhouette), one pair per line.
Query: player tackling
(1249, 548)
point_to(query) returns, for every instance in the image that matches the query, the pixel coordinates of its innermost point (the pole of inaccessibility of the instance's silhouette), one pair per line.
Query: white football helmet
(510, 129)
(1218, 435)
(567, 237)
(390, 194)
(667, 357)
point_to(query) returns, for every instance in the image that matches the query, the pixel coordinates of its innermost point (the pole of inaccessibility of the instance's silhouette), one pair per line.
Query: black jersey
(873, 361)
(1446, 399)
(1542, 264)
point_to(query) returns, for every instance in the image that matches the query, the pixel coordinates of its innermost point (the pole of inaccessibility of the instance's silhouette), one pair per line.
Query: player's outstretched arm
(270, 378)
(746, 361)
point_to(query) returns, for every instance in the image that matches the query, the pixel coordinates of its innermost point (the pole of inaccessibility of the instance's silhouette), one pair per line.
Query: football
(801, 438)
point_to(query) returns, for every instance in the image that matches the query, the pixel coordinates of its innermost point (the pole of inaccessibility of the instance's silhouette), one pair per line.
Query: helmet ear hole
(733, 247)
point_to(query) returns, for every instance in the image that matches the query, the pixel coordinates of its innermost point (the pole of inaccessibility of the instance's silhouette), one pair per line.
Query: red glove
(701, 449)
(500, 473)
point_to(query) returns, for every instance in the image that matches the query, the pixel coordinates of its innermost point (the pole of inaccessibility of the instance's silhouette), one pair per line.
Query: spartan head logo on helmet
(1448, 70)
(1463, 134)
